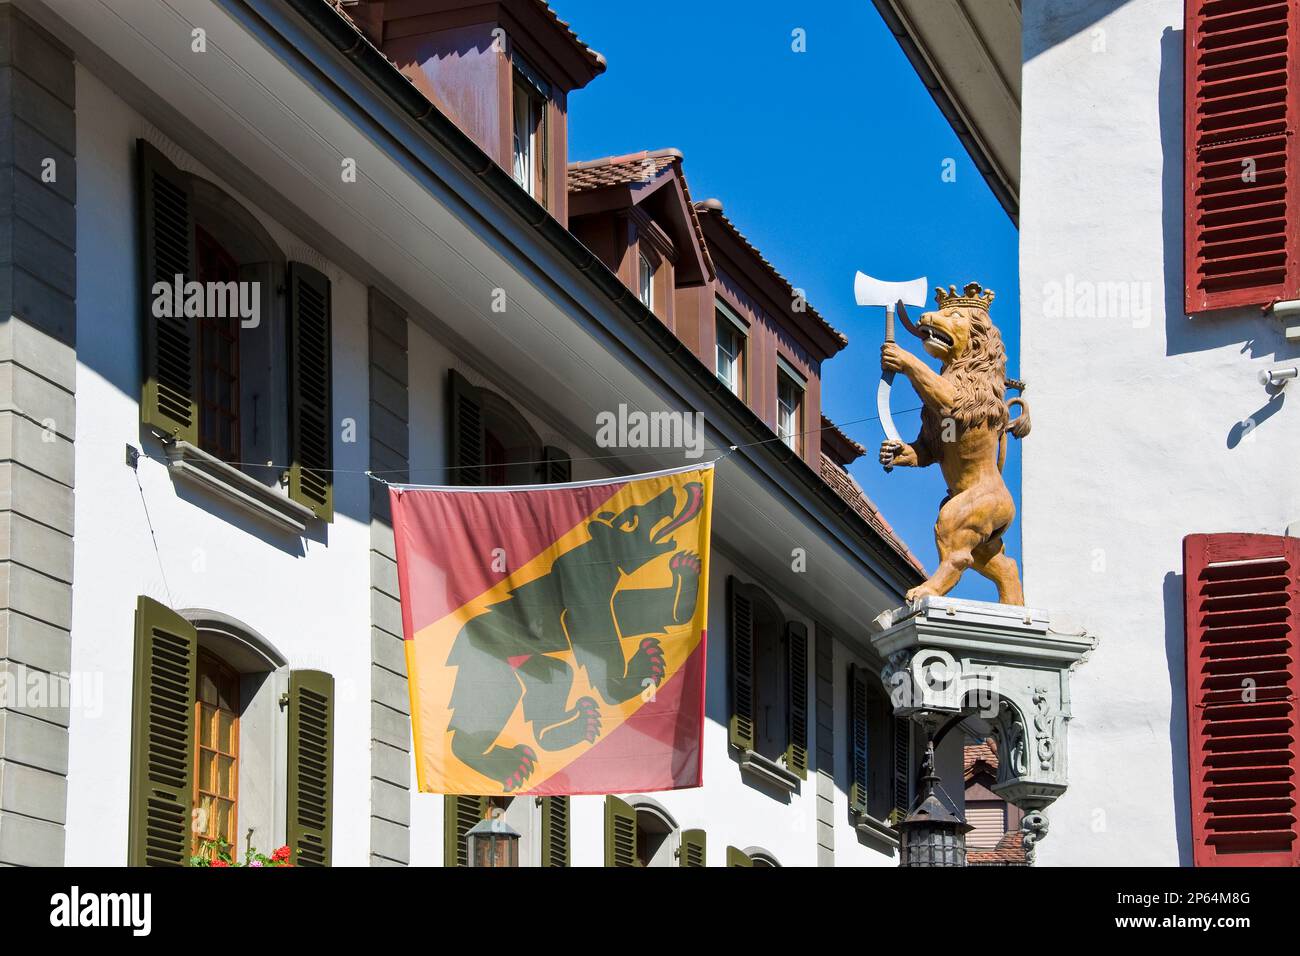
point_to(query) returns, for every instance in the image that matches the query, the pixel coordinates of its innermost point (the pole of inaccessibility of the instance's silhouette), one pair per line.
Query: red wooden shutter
(1242, 174)
(1243, 614)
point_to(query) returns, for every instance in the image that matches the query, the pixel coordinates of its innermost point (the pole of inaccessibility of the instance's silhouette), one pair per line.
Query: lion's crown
(974, 296)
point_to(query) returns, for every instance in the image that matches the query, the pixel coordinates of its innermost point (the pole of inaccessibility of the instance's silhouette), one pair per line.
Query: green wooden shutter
(858, 722)
(311, 766)
(620, 833)
(460, 814)
(311, 415)
(557, 467)
(691, 852)
(796, 649)
(162, 737)
(170, 392)
(741, 620)
(902, 734)
(736, 857)
(555, 831)
(466, 452)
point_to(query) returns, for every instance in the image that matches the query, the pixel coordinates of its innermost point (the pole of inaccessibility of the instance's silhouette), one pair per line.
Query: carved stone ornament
(944, 657)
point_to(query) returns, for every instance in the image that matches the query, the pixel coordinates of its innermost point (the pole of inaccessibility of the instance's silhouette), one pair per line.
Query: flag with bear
(555, 634)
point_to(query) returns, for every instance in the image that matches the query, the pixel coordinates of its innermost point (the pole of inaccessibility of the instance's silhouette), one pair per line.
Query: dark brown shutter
(1242, 172)
(858, 718)
(741, 621)
(466, 452)
(162, 737)
(620, 833)
(311, 415)
(460, 814)
(796, 675)
(557, 467)
(311, 766)
(902, 734)
(1242, 609)
(169, 393)
(692, 849)
(555, 831)
(738, 857)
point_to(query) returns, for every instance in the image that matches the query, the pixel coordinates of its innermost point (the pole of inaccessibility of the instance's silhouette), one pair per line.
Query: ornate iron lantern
(932, 833)
(493, 842)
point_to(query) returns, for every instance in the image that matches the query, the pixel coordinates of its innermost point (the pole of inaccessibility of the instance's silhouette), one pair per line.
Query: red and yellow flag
(555, 634)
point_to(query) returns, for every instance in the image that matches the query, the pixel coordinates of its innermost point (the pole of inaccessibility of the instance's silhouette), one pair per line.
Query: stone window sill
(769, 771)
(192, 464)
(877, 829)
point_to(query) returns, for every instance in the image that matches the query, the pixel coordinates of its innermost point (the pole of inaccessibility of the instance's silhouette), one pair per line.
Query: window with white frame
(646, 281)
(731, 353)
(528, 152)
(789, 409)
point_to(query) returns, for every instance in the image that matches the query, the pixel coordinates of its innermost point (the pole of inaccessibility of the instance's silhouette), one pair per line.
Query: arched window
(656, 834)
(492, 443)
(760, 857)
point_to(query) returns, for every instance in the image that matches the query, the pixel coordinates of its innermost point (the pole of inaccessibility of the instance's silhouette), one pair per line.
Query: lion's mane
(980, 378)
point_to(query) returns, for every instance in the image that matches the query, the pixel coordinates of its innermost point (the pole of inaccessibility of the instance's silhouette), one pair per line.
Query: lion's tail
(1018, 426)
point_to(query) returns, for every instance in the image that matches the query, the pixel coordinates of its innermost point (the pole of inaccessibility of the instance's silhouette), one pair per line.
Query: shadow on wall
(1056, 21)
(1176, 658)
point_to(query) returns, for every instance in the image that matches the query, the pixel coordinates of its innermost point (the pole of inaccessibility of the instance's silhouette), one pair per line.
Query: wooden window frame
(208, 662)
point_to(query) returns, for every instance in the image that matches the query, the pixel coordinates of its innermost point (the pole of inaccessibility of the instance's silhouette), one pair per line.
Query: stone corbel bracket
(946, 657)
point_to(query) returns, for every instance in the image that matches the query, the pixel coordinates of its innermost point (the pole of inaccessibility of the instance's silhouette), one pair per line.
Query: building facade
(397, 274)
(1147, 149)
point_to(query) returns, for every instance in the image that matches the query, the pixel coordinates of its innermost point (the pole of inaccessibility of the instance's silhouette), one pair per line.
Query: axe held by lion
(965, 420)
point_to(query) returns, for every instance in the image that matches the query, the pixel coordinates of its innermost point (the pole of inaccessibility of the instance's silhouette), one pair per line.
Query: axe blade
(869, 291)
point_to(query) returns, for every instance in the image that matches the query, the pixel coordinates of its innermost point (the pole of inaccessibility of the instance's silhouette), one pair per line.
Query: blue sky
(830, 161)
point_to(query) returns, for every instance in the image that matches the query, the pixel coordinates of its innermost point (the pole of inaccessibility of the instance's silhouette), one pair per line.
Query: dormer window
(731, 350)
(646, 281)
(529, 132)
(789, 406)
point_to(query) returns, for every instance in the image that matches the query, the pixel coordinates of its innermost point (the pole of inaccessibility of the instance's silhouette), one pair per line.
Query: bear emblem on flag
(579, 671)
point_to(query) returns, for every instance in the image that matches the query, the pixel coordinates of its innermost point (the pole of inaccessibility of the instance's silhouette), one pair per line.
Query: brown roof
(639, 167)
(712, 208)
(595, 60)
(643, 167)
(1010, 851)
(842, 448)
(984, 752)
(848, 489)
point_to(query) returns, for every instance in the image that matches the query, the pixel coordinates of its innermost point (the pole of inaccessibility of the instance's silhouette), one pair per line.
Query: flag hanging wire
(727, 451)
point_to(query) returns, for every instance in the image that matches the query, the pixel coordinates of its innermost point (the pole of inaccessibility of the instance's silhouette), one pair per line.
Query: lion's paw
(527, 762)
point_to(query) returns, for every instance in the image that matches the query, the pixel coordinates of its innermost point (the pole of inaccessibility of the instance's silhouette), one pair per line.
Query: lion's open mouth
(694, 498)
(935, 335)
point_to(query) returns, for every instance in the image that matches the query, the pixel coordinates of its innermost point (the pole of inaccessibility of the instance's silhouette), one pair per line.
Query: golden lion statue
(964, 427)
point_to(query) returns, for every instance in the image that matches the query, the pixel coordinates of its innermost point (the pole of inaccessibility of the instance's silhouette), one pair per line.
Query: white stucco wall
(728, 807)
(310, 600)
(1138, 437)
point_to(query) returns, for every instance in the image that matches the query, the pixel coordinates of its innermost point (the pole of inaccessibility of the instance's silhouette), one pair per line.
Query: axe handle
(889, 323)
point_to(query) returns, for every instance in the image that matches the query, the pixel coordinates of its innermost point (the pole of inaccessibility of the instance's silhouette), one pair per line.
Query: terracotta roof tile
(642, 167)
(1010, 851)
(848, 489)
(713, 207)
(596, 60)
(985, 752)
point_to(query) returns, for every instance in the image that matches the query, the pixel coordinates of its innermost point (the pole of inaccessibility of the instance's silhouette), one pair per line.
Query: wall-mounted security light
(1277, 377)
(1289, 313)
